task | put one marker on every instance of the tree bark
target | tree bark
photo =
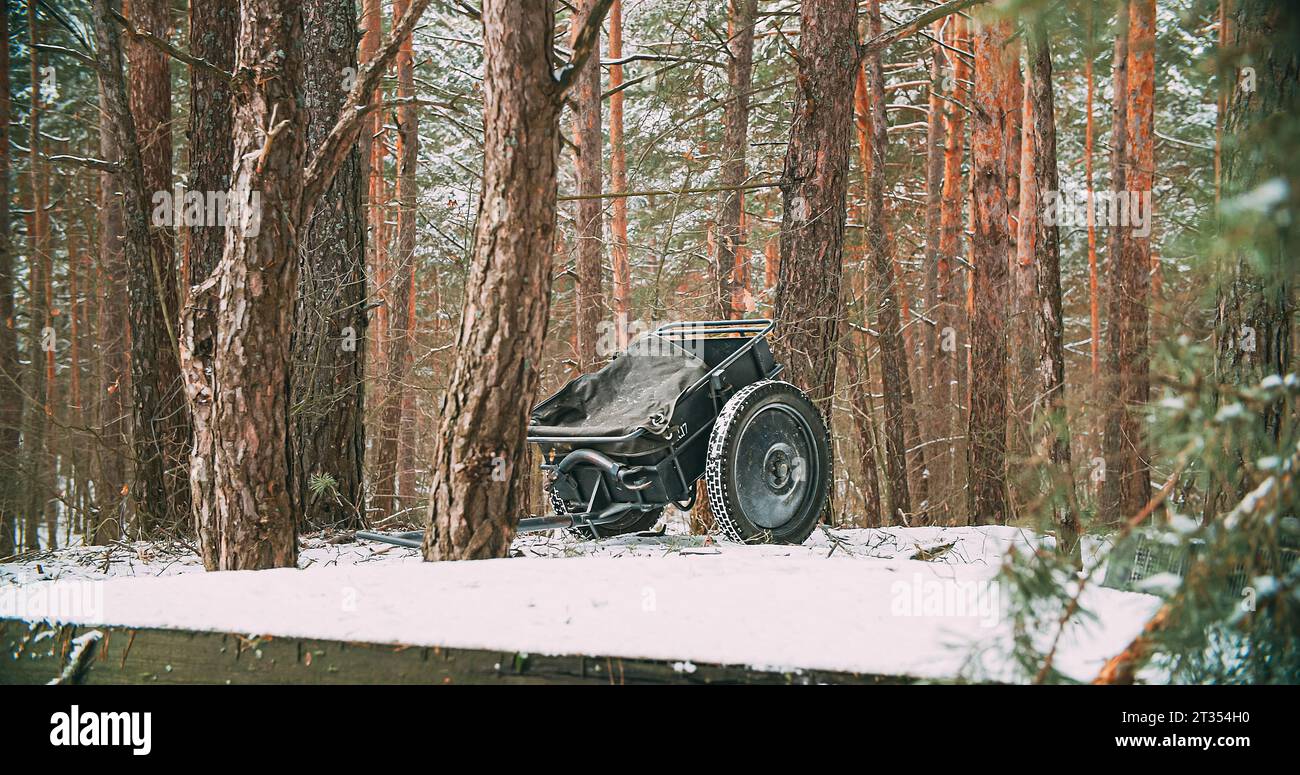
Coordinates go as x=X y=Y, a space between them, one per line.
x=373 y=148
x=1094 y=316
x=1022 y=329
x=990 y=247
x=11 y=393
x=864 y=423
x=1128 y=480
x=1109 y=504
x=329 y=345
x=1040 y=243
x=213 y=27
x=935 y=408
x=735 y=142
x=814 y=181
x=112 y=412
x=74 y=418
x=590 y=221
x=397 y=337
x=1256 y=295
x=893 y=353
x=36 y=437
x=161 y=428
x=951 y=350
x=472 y=512
x=618 y=180
x=408 y=146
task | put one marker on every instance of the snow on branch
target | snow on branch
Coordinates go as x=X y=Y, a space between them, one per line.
x=888 y=38
x=584 y=44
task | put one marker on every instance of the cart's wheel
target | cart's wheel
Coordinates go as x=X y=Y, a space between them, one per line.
x=769 y=465
x=633 y=522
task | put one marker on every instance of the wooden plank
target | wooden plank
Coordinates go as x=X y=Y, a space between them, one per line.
x=36 y=652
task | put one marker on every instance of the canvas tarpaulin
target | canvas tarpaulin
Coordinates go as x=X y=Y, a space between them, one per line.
x=639 y=389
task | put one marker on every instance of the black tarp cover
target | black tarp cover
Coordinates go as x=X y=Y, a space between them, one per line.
x=639 y=389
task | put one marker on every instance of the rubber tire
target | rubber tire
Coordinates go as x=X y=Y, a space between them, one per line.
x=636 y=522
x=723 y=441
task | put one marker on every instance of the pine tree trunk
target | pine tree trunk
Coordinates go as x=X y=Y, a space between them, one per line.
x=1137 y=259
x=935 y=473
x=213 y=26
x=1022 y=331
x=161 y=429
x=950 y=350
x=1020 y=281
x=814 y=181
x=1040 y=243
x=864 y=423
x=1256 y=296
x=1109 y=504
x=990 y=247
x=36 y=438
x=1128 y=481
x=243 y=391
x=373 y=150
x=397 y=337
x=329 y=347
x=591 y=221
x=11 y=394
x=735 y=142
x=74 y=420
x=893 y=354
x=701 y=521
x=408 y=147
x=472 y=513
x=618 y=180
x=112 y=411
x=1094 y=316
x=407 y=198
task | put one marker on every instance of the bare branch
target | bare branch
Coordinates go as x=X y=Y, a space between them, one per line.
x=167 y=48
x=468 y=10
x=665 y=192
x=658 y=58
x=72 y=52
x=85 y=161
x=885 y=39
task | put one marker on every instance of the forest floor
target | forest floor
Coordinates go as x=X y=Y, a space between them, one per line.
x=916 y=602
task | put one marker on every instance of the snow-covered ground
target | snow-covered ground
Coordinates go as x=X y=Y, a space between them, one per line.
x=896 y=601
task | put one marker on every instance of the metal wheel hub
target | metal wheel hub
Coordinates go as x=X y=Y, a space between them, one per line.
x=772 y=466
x=779 y=467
